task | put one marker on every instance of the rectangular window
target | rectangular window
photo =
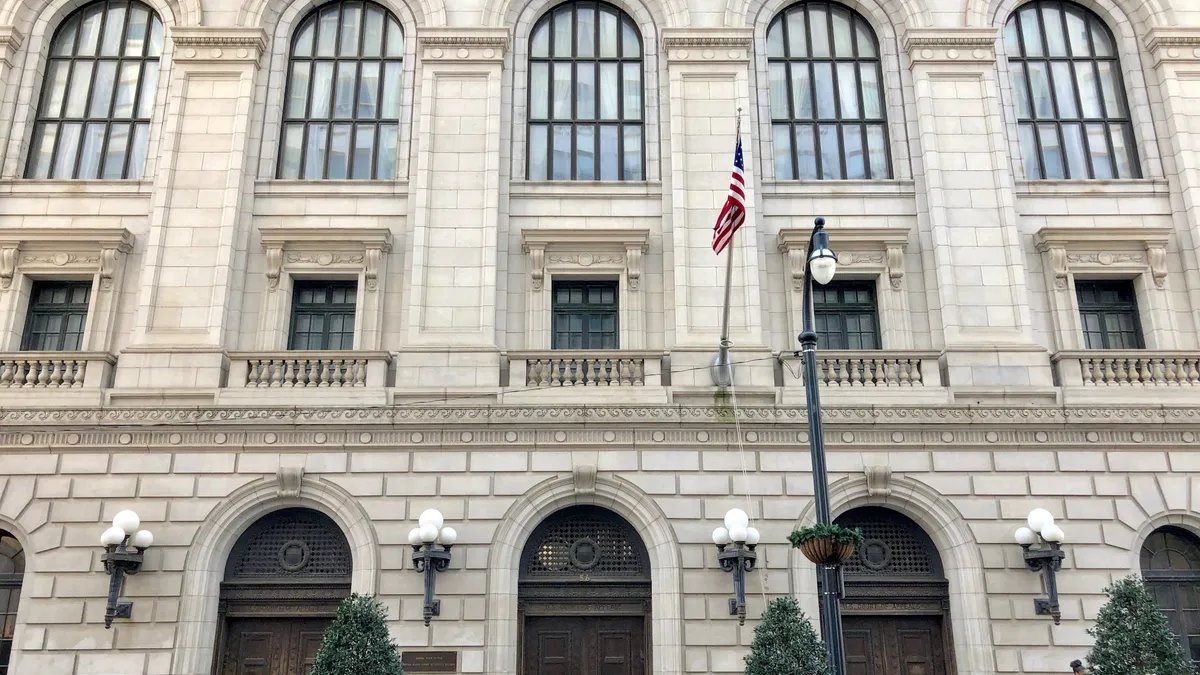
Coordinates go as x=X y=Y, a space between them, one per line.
x=57 y=314
x=1108 y=312
x=585 y=315
x=323 y=315
x=845 y=315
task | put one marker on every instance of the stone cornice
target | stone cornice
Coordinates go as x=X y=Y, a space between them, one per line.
x=1174 y=44
x=463 y=44
x=951 y=45
x=708 y=44
x=212 y=43
x=10 y=42
x=863 y=248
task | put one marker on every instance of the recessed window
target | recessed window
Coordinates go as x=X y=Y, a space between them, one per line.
x=1073 y=118
x=585 y=95
x=1109 y=314
x=826 y=92
x=585 y=315
x=93 y=118
x=323 y=315
x=1171 y=566
x=341 y=111
x=56 y=317
x=12 y=573
x=845 y=315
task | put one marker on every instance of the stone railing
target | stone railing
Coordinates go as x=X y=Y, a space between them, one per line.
x=585 y=368
x=55 y=370
x=870 y=368
x=299 y=369
x=1133 y=368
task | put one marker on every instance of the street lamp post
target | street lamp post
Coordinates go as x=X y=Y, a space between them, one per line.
x=428 y=559
x=820 y=265
x=1047 y=560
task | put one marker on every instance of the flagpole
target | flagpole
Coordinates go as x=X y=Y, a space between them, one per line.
x=722 y=371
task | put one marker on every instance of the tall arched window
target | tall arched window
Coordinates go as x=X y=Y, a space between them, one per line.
x=93 y=119
x=827 y=104
x=585 y=95
x=12 y=571
x=1066 y=80
x=341 y=111
x=1171 y=566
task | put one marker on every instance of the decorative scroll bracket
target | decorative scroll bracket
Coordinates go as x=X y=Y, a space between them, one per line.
x=537 y=267
x=290 y=480
x=371 y=267
x=585 y=478
x=8 y=265
x=274 y=266
x=633 y=266
x=1157 y=260
x=895 y=267
x=879 y=480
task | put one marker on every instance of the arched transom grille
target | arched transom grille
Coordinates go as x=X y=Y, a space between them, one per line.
x=1171 y=549
x=585 y=542
x=894 y=545
x=291 y=543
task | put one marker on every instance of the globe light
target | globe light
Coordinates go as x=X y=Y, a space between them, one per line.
x=739 y=534
x=112 y=536
x=447 y=536
x=414 y=536
x=752 y=536
x=1026 y=537
x=128 y=521
x=142 y=539
x=432 y=517
x=1039 y=519
x=736 y=518
x=823 y=264
x=721 y=537
x=429 y=533
x=1052 y=533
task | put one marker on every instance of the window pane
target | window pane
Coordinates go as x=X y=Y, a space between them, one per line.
x=1077 y=33
x=1123 y=151
x=390 y=108
x=339 y=151
x=155 y=40
x=327 y=22
x=877 y=148
x=585 y=152
x=865 y=40
x=848 y=89
x=831 y=156
x=1114 y=106
x=562 y=33
x=89 y=31
x=1012 y=40
x=818 y=30
x=137 y=151
x=775 y=40
x=806 y=152
x=1101 y=42
x=539 y=91
x=322 y=88
x=872 y=105
x=797 y=33
x=608 y=91
x=343 y=103
x=777 y=72
x=114 y=154
x=632 y=90
x=395 y=40
x=386 y=160
x=540 y=42
x=368 y=91
x=561 y=167
x=1051 y=151
x=852 y=139
x=372 y=32
x=126 y=90
x=631 y=46
x=81 y=79
x=608 y=33
x=56 y=87
x=1076 y=158
x=43 y=147
x=114 y=30
x=609 y=145
x=585 y=32
x=351 y=21
x=146 y=96
x=562 y=91
x=1039 y=82
x=1098 y=145
x=293 y=135
x=843 y=40
x=1064 y=90
x=68 y=149
x=1055 y=38
x=823 y=73
x=314 y=156
x=537 y=152
x=303 y=46
x=1020 y=91
x=633 y=153
x=1029 y=152
x=782 y=145
x=1089 y=93
x=802 y=107
x=1031 y=31
x=585 y=91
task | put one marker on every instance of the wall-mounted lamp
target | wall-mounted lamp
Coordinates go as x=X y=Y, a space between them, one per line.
x=1047 y=560
x=739 y=559
x=428 y=559
x=119 y=560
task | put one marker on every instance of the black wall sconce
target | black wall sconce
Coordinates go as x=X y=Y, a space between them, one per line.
x=119 y=560
x=430 y=560
x=739 y=559
x=1047 y=560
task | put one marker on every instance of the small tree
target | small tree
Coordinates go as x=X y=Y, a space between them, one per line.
x=1133 y=636
x=358 y=641
x=786 y=644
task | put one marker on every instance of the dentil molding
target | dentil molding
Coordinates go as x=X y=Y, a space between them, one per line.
x=951 y=45
x=217 y=43
x=1178 y=44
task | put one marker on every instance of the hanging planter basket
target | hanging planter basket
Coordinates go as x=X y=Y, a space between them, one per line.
x=826 y=544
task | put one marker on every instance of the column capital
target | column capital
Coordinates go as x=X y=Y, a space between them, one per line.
x=951 y=45
x=210 y=43
x=462 y=44
x=1179 y=44
x=698 y=45
x=10 y=42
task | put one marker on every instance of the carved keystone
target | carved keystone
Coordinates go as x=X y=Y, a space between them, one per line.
x=289 y=480
x=585 y=478
x=878 y=480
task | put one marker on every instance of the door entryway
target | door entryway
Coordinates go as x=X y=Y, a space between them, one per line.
x=283 y=582
x=901 y=645
x=584 y=596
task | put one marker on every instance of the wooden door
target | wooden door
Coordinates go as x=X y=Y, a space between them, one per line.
x=584 y=645
x=271 y=646
x=901 y=645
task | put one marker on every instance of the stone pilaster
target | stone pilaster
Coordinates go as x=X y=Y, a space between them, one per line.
x=450 y=331
x=709 y=80
x=973 y=261
x=199 y=195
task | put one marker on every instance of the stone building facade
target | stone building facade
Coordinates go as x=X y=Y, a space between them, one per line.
x=478 y=278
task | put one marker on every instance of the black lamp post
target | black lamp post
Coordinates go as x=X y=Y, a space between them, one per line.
x=429 y=560
x=123 y=546
x=820 y=265
x=739 y=559
x=1046 y=560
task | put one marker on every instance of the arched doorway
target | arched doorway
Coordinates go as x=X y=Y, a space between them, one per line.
x=584 y=596
x=283 y=582
x=1171 y=567
x=12 y=571
x=896 y=609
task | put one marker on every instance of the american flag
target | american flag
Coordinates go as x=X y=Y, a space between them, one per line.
x=733 y=214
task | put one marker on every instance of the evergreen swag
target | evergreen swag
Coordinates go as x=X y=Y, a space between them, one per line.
x=786 y=644
x=1133 y=636
x=358 y=642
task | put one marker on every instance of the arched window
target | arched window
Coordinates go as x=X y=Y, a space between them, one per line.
x=1071 y=110
x=341 y=111
x=827 y=105
x=585 y=95
x=1171 y=566
x=93 y=118
x=12 y=570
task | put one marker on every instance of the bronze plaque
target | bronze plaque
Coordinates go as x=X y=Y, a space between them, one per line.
x=429 y=662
